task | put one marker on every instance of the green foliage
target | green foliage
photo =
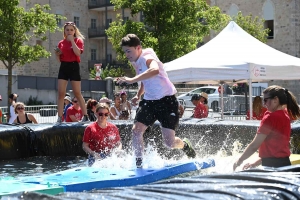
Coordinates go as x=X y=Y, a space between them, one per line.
x=254 y=26
x=19 y=29
x=33 y=101
x=92 y=73
x=111 y=71
x=170 y=27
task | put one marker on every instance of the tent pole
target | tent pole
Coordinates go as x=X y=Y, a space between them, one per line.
x=222 y=101
x=250 y=98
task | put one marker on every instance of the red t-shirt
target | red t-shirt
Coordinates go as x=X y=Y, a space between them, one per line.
x=277 y=127
x=68 y=54
x=254 y=117
x=72 y=111
x=200 y=111
x=101 y=139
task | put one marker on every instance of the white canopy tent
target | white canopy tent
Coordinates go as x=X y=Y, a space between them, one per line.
x=234 y=56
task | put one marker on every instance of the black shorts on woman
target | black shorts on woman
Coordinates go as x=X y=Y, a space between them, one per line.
x=165 y=110
x=69 y=71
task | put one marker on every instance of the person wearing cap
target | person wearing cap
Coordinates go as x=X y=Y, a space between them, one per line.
x=68 y=104
x=204 y=99
x=1 y=114
x=105 y=100
x=12 y=115
x=125 y=105
x=200 y=110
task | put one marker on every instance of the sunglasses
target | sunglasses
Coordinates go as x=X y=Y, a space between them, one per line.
x=266 y=99
x=75 y=101
x=69 y=23
x=20 y=108
x=101 y=114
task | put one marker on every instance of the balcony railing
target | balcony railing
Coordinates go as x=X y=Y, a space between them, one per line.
x=99 y=3
x=97 y=32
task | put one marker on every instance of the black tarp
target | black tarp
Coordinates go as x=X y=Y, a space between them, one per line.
x=207 y=135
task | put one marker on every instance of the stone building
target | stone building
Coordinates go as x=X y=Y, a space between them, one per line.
x=93 y=16
x=282 y=17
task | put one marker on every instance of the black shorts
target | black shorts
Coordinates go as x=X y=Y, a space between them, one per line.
x=165 y=110
x=69 y=71
x=275 y=162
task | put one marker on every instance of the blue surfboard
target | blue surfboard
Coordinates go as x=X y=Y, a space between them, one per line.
x=89 y=178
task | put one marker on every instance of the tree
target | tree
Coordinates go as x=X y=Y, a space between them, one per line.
x=172 y=28
x=253 y=26
x=17 y=28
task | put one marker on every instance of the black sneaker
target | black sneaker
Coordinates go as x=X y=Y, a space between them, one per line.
x=188 y=149
x=85 y=119
x=139 y=162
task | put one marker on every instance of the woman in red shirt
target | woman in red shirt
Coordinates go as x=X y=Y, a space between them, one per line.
x=101 y=137
x=68 y=54
x=258 y=109
x=273 y=135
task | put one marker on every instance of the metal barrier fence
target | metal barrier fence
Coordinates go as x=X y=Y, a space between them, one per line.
x=48 y=114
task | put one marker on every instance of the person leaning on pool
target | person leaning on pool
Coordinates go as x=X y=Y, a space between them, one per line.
x=101 y=137
x=273 y=135
x=258 y=109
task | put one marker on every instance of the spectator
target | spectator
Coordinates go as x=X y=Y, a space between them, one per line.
x=200 y=111
x=68 y=53
x=105 y=100
x=91 y=109
x=101 y=137
x=74 y=113
x=180 y=110
x=273 y=135
x=258 y=109
x=125 y=105
x=68 y=104
x=12 y=115
x=115 y=110
x=204 y=100
x=22 y=116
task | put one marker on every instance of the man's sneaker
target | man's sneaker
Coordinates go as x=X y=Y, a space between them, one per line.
x=188 y=149
x=139 y=162
x=85 y=119
x=59 y=120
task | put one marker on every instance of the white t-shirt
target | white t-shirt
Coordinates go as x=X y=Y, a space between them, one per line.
x=158 y=86
x=13 y=115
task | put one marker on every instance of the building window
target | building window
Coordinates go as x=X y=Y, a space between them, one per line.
x=39 y=42
x=93 y=23
x=233 y=10
x=108 y=21
x=93 y=2
x=108 y=58
x=270 y=25
x=76 y=21
x=58 y=20
x=125 y=19
x=268 y=14
x=93 y=54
